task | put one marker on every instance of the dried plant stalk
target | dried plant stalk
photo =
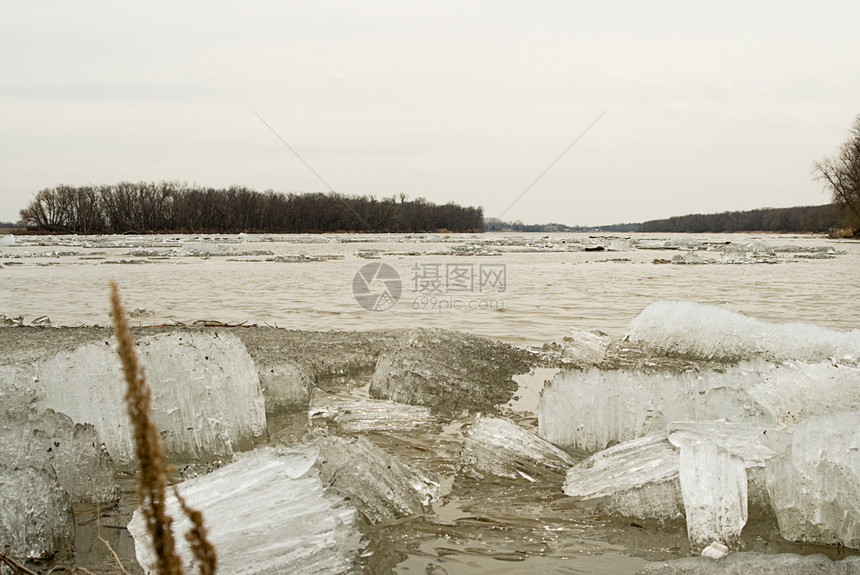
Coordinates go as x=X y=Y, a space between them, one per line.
x=152 y=479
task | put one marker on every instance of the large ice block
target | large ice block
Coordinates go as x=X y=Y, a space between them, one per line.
x=449 y=371
x=637 y=478
x=74 y=451
x=714 y=488
x=381 y=487
x=206 y=397
x=591 y=409
x=36 y=520
x=814 y=484
x=358 y=415
x=266 y=513
x=496 y=446
x=755 y=563
x=706 y=331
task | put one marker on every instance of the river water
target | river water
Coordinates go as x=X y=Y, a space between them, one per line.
x=525 y=289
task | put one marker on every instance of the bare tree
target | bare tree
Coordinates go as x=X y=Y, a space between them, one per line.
x=841 y=175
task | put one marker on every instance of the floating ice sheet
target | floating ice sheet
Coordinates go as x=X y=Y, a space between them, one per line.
x=499 y=447
x=206 y=397
x=266 y=513
x=757 y=563
x=712 y=332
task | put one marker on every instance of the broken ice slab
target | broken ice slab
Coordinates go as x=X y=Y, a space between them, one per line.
x=584 y=347
x=496 y=446
x=590 y=409
x=206 y=397
x=449 y=371
x=696 y=330
x=757 y=563
x=714 y=488
x=380 y=486
x=637 y=478
x=74 y=451
x=266 y=513
x=359 y=415
x=814 y=484
x=36 y=520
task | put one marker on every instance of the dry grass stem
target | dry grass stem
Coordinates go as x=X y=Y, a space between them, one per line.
x=152 y=479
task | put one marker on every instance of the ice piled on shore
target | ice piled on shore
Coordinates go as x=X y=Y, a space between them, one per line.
x=74 y=451
x=36 y=518
x=591 y=409
x=7 y=241
x=206 y=397
x=496 y=446
x=381 y=487
x=690 y=329
x=266 y=513
x=814 y=484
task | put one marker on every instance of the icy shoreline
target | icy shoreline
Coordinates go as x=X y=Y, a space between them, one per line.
x=220 y=391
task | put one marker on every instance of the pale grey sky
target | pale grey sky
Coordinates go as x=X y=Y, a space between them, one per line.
x=712 y=106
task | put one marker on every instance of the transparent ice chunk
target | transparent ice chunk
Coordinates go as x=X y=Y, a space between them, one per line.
x=36 y=519
x=266 y=513
x=74 y=451
x=496 y=446
x=358 y=415
x=206 y=397
x=381 y=487
x=637 y=478
x=814 y=484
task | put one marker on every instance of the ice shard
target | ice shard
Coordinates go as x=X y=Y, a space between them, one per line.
x=706 y=331
x=381 y=487
x=266 y=513
x=582 y=347
x=449 y=371
x=206 y=397
x=814 y=484
x=714 y=488
x=74 y=451
x=36 y=520
x=637 y=478
x=358 y=415
x=496 y=446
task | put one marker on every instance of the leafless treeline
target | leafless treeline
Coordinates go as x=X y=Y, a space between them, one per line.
x=179 y=207
x=800 y=219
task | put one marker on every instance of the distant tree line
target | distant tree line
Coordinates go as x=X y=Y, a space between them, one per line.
x=813 y=219
x=499 y=225
x=179 y=207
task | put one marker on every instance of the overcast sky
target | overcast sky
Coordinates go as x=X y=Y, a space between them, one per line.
x=710 y=106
